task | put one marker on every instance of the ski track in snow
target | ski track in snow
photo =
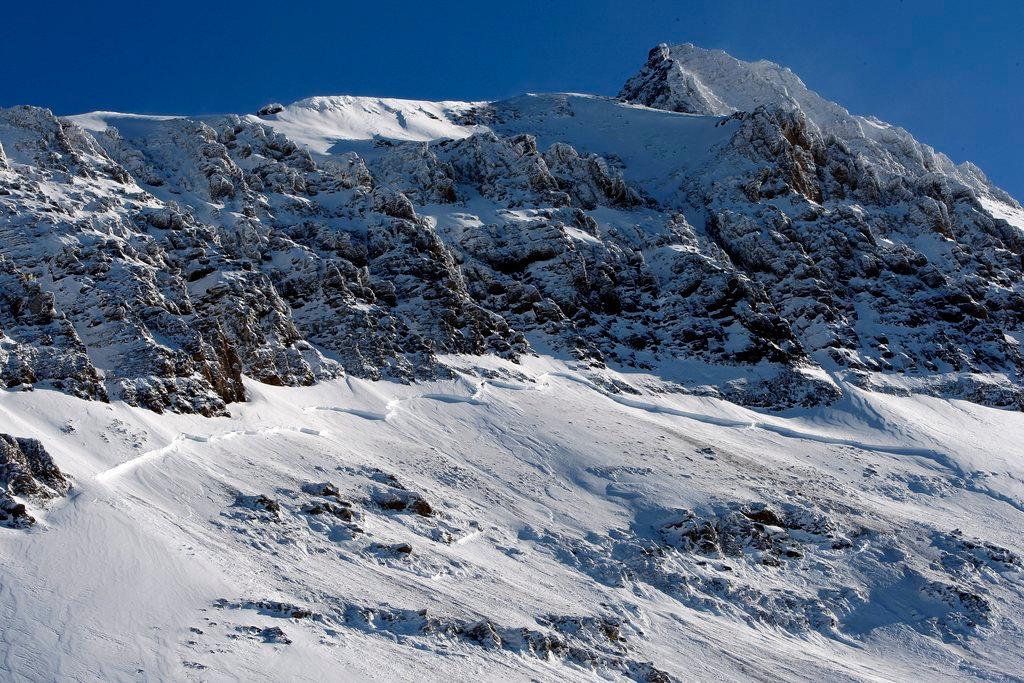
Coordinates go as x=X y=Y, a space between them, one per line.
x=541 y=381
x=155 y=454
x=123 y=468
x=467 y=486
x=394 y=404
x=786 y=432
x=365 y=414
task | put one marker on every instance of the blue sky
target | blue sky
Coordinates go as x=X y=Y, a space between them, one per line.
x=950 y=72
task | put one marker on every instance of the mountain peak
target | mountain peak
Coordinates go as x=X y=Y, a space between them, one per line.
x=694 y=80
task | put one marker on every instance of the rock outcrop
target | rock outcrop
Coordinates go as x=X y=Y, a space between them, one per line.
x=158 y=260
x=27 y=472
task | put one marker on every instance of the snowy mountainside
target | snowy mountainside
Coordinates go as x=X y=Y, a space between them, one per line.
x=686 y=78
x=464 y=528
x=618 y=234
x=710 y=380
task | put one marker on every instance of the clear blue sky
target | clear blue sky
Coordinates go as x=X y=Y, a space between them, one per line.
x=950 y=72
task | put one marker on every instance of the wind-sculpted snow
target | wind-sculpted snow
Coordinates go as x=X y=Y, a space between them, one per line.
x=529 y=521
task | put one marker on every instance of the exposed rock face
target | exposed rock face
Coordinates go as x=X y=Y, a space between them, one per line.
x=26 y=471
x=39 y=346
x=157 y=260
x=882 y=255
x=665 y=83
x=686 y=78
x=861 y=267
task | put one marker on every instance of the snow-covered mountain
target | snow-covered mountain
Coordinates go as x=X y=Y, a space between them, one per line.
x=712 y=379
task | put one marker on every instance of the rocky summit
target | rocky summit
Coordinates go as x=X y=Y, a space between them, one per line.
x=712 y=380
x=717 y=214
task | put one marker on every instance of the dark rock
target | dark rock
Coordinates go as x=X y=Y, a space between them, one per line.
x=259 y=503
x=342 y=510
x=400 y=500
x=27 y=471
x=270 y=109
x=325 y=489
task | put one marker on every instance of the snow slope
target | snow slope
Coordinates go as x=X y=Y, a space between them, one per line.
x=631 y=134
x=321 y=122
x=541 y=519
x=599 y=125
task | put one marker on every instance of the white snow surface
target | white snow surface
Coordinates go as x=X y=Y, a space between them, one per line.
x=99 y=121
x=533 y=474
x=1013 y=215
x=631 y=134
x=320 y=122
